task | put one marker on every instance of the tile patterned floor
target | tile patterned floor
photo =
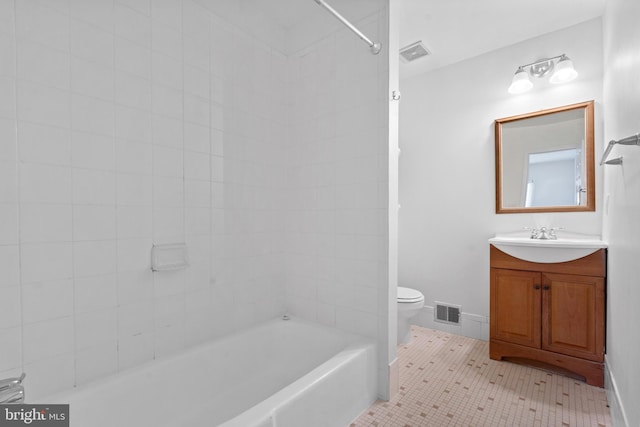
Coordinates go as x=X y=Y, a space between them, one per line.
x=449 y=380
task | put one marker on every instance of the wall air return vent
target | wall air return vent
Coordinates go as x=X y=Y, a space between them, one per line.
x=413 y=51
x=447 y=313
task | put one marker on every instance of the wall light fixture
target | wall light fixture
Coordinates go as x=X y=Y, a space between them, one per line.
x=564 y=72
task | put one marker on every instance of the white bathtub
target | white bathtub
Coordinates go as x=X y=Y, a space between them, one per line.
x=281 y=373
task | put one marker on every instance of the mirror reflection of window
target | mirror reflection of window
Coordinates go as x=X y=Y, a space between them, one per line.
x=554 y=178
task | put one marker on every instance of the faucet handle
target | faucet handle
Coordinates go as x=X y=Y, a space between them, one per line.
x=552 y=232
x=534 y=232
x=11 y=382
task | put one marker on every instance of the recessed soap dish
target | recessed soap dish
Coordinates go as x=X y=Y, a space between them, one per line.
x=169 y=257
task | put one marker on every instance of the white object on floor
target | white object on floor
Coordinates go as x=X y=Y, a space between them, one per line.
x=410 y=302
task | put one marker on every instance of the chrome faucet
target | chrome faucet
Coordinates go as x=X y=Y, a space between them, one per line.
x=12 y=390
x=544 y=233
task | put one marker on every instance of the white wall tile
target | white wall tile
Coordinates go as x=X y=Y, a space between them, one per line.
x=95 y=293
x=43 y=64
x=94 y=222
x=90 y=42
x=44 y=340
x=134 y=254
x=7 y=16
x=43 y=105
x=197 y=138
x=7 y=53
x=133 y=124
x=142 y=6
x=196 y=52
x=92 y=115
x=92 y=151
x=92 y=79
x=167 y=101
x=47 y=300
x=167 y=12
x=196 y=81
x=167 y=162
x=134 y=319
x=196 y=110
x=135 y=349
x=42 y=24
x=168 y=192
x=49 y=375
x=134 y=158
x=167 y=132
x=167 y=71
x=45 y=261
x=133 y=91
x=197 y=193
x=8 y=182
x=96 y=12
x=168 y=225
x=134 y=222
x=9 y=266
x=134 y=190
x=96 y=258
x=7 y=97
x=132 y=25
x=45 y=223
x=96 y=328
x=96 y=362
x=196 y=166
x=93 y=187
x=165 y=39
x=11 y=348
x=44 y=183
x=10 y=307
x=8 y=146
x=133 y=58
x=8 y=224
x=135 y=286
x=195 y=20
x=44 y=144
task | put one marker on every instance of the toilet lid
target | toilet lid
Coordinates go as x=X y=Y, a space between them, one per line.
x=409 y=295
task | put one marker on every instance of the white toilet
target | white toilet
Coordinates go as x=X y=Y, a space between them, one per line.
x=410 y=302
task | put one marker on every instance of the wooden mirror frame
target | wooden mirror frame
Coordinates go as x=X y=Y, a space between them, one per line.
x=589 y=161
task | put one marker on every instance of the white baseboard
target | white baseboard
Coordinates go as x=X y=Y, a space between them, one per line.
x=471 y=325
x=618 y=416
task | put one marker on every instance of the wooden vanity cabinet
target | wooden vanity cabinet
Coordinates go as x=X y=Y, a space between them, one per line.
x=549 y=315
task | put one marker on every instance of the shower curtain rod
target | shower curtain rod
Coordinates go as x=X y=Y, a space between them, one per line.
x=375 y=47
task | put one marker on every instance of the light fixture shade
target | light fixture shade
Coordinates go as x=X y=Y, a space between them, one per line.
x=520 y=82
x=564 y=71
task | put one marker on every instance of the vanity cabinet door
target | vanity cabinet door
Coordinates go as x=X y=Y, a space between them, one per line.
x=573 y=315
x=515 y=306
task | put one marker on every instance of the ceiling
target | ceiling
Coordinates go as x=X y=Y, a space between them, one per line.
x=452 y=30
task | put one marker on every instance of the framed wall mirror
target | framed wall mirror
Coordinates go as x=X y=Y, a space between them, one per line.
x=545 y=161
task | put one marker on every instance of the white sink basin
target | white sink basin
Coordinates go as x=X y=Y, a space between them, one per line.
x=547 y=251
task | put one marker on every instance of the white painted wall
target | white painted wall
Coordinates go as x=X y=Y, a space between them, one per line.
x=447 y=182
x=621 y=227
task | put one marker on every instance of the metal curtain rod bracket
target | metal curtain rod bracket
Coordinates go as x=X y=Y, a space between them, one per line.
x=630 y=140
x=375 y=47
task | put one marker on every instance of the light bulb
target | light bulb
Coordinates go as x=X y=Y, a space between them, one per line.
x=520 y=82
x=564 y=71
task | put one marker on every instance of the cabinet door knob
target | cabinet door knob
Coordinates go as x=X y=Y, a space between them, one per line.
x=536 y=286
x=546 y=287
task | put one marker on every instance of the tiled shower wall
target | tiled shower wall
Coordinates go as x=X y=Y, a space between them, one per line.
x=337 y=229
x=125 y=124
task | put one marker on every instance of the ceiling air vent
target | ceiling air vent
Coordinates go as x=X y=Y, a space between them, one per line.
x=413 y=51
